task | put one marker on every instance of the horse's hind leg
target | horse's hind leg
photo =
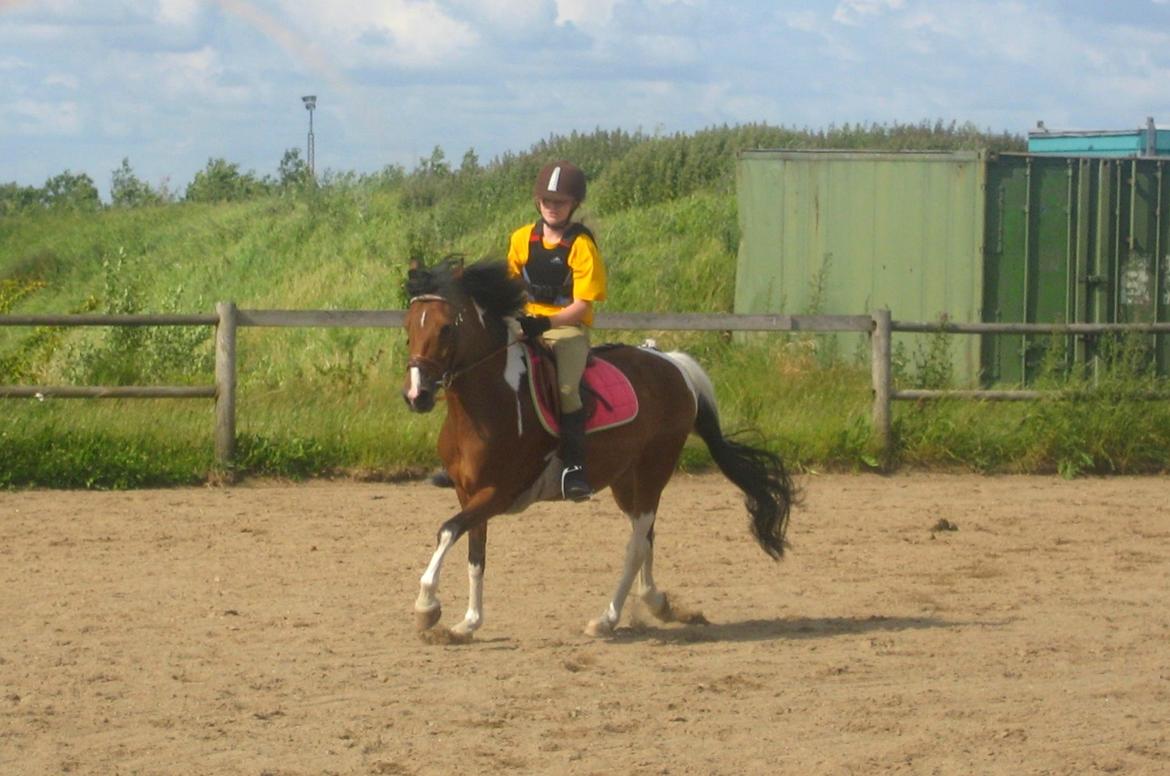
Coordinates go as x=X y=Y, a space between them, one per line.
x=653 y=598
x=637 y=494
x=636 y=551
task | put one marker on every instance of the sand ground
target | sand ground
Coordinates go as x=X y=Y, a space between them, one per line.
x=267 y=629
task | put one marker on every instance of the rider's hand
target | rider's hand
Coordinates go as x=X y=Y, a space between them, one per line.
x=533 y=325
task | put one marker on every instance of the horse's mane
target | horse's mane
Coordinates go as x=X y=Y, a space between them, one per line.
x=486 y=282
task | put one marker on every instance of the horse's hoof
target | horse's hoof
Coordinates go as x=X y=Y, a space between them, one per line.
x=661 y=609
x=444 y=637
x=599 y=629
x=425 y=620
x=464 y=632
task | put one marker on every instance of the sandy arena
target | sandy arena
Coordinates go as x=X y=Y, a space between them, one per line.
x=267 y=629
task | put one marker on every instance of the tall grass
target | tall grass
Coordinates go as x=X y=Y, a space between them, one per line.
x=315 y=402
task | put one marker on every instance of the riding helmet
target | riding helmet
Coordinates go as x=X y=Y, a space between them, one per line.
x=560 y=180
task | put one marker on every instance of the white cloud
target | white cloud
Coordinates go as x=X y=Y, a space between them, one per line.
x=585 y=13
x=511 y=14
x=171 y=83
x=196 y=74
x=411 y=33
x=851 y=12
x=805 y=21
x=14 y=63
x=51 y=118
x=62 y=80
x=179 y=12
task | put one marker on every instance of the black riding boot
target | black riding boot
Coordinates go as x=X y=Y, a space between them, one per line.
x=574 y=486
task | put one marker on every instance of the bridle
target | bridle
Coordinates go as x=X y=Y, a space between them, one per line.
x=449 y=374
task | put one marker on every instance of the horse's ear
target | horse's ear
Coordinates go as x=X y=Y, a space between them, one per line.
x=457 y=267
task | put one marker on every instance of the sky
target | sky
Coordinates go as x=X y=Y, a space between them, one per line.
x=172 y=84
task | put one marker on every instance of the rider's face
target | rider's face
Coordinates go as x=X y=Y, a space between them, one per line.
x=555 y=211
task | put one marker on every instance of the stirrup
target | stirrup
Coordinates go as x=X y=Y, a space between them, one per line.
x=574 y=486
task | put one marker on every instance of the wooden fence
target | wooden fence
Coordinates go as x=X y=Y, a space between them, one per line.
x=228 y=319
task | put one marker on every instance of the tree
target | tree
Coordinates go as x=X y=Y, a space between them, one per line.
x=436 y=165
x=127 y=190
x=294 y=171
x=70 y=192
x=470 y=165
x=15 y=198
x=222 y=181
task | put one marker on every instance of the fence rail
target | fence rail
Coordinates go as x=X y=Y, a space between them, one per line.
x=107 y=392
x=100 y=319
x=228 y=319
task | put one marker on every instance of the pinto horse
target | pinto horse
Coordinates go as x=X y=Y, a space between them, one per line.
x=462 y=338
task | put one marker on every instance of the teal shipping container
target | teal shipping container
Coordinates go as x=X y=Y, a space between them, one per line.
x=966 y=236
x=1147 y=141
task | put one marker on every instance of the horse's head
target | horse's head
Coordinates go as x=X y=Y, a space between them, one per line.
x=453 y=322
x=432 y=320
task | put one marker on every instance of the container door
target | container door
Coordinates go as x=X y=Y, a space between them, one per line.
x=1140 y=272
x=1005 y=235
x=1079 y=240
x=1030 y=262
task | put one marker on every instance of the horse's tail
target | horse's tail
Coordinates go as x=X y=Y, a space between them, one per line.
x=768 y=490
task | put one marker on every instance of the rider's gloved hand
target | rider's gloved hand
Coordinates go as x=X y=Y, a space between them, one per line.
x=533 y=325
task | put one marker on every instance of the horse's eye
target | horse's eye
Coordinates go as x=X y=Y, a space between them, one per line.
x=446 y=332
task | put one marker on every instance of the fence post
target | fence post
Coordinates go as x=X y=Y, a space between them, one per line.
x=225 y=385
x=880 y=364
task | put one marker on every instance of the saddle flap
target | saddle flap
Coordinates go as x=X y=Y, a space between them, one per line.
x=606 y=392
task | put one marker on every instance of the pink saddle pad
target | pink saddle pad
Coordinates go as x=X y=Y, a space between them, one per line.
x=614 y=402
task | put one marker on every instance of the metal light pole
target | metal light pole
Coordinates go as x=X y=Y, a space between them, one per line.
x=310 y=104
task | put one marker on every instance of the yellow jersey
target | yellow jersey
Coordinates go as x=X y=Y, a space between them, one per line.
x=584 y=260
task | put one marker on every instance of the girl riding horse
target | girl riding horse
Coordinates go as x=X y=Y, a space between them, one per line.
x=501 y=459
x=564 y=275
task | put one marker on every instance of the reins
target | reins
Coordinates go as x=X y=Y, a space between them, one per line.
x=450 y=377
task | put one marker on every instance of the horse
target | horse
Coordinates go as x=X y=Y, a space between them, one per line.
x=462 y=339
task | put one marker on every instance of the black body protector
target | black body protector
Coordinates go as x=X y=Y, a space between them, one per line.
x=547 y=272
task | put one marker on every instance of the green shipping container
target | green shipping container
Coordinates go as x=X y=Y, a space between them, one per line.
x=846 y=233
x=1073 y=239
x=964 y=235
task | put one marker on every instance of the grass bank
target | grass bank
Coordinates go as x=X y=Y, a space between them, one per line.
x=323 y=402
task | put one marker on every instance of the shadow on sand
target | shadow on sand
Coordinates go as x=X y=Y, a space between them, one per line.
x=794 y=628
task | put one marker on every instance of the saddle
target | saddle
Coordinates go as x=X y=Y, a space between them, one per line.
x=606 y=392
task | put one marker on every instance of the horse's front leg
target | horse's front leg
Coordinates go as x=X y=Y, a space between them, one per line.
x=473 y=519
x=476 y=561
x=427 y=608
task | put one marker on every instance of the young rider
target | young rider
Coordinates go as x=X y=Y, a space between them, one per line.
x=562 y=268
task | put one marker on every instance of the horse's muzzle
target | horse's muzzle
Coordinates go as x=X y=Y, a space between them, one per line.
x=419 y=393
x=423 y=401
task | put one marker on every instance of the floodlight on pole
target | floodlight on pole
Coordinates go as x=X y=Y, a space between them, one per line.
x=310 y=101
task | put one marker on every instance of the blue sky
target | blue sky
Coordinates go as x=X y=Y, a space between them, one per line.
x=171 y=84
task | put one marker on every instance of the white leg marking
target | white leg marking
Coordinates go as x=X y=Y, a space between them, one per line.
x=636 y=550
x=428 y=598
x=474 y=617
